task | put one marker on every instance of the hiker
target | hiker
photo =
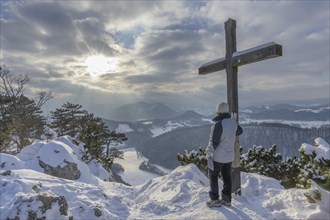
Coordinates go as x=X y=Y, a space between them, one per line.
x=220 y=153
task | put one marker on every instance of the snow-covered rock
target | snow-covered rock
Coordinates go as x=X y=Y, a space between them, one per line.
x=48 y=134
x=60 y=158
x=27 y=193
x=29 y=152
x=98 y=171
x=41 y=206
x=10 y=162
x=322 y=149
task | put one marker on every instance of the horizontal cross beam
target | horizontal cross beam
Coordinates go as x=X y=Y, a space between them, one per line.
x=213 y=66
x=262 y=52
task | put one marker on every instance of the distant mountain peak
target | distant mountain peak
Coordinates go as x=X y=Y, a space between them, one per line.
x=189 y=115
x=142 y=111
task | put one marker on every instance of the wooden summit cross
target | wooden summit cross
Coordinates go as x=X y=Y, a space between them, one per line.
x=230 y=63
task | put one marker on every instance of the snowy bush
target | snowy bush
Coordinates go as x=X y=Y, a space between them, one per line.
x=195 y=157
x=263 y=161
x=269 y=163
x=315 y=164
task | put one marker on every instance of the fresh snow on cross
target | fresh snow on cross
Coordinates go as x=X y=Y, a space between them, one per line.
x=27 y=192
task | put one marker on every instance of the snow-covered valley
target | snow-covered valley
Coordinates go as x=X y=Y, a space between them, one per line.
x=132 y=174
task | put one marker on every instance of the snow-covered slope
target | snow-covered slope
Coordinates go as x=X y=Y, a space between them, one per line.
x=28 y=193
x=180 y=194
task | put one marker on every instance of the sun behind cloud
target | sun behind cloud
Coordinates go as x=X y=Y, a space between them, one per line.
x=99 y=64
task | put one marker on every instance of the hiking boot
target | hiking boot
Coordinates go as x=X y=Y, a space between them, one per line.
x=213 y=203
x=226 y=203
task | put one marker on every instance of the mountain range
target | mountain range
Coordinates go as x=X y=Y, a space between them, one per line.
x=316 y=112
x=142 y=111
x=160 y=138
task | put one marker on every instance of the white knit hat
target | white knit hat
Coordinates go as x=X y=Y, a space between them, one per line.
x=222 y=108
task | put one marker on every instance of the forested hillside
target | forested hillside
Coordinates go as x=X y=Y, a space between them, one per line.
x=163 y=149
x=287 y=138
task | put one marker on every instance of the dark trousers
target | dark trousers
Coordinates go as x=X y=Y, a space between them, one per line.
x=225 y=170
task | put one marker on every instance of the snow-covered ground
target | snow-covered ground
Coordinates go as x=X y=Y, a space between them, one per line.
x=123 y=128
x=156 y=131
x=301 y=124
x=181 y=194
x=313 y=110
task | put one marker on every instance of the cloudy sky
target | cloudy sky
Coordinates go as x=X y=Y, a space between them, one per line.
x=103 y=54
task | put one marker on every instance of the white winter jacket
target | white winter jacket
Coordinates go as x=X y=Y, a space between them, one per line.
x=222 y=138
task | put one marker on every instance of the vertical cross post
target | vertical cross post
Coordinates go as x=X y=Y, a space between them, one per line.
x=230 y=63
x=232 y=96
x=231 y=71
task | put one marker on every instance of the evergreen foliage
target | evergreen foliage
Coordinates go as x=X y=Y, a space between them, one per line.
x=89 y=130
x=21 y=121
x=263 y=161
x=313 y=167
x=287 y=139
x=67 y=119
x=20 y=117
x=292 y=172
x=94 y=134
x=195 y=157
x=113 y=138
x=269 y=163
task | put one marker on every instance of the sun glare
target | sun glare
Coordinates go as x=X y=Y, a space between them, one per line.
x=99 y=64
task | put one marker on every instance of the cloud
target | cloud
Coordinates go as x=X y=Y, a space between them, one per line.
x=159 y=46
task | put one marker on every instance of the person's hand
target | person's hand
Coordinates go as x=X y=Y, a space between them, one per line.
x=209 y=151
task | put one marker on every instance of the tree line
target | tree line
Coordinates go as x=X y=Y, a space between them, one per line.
x=22 y=122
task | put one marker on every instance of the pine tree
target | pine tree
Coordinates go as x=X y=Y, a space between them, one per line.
x=20 y=117
x=107 y=160
x=3 y=127
x=95 y=135
x=91 y=134
x=22 y=121
x=67 y=119
x=111 y=137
